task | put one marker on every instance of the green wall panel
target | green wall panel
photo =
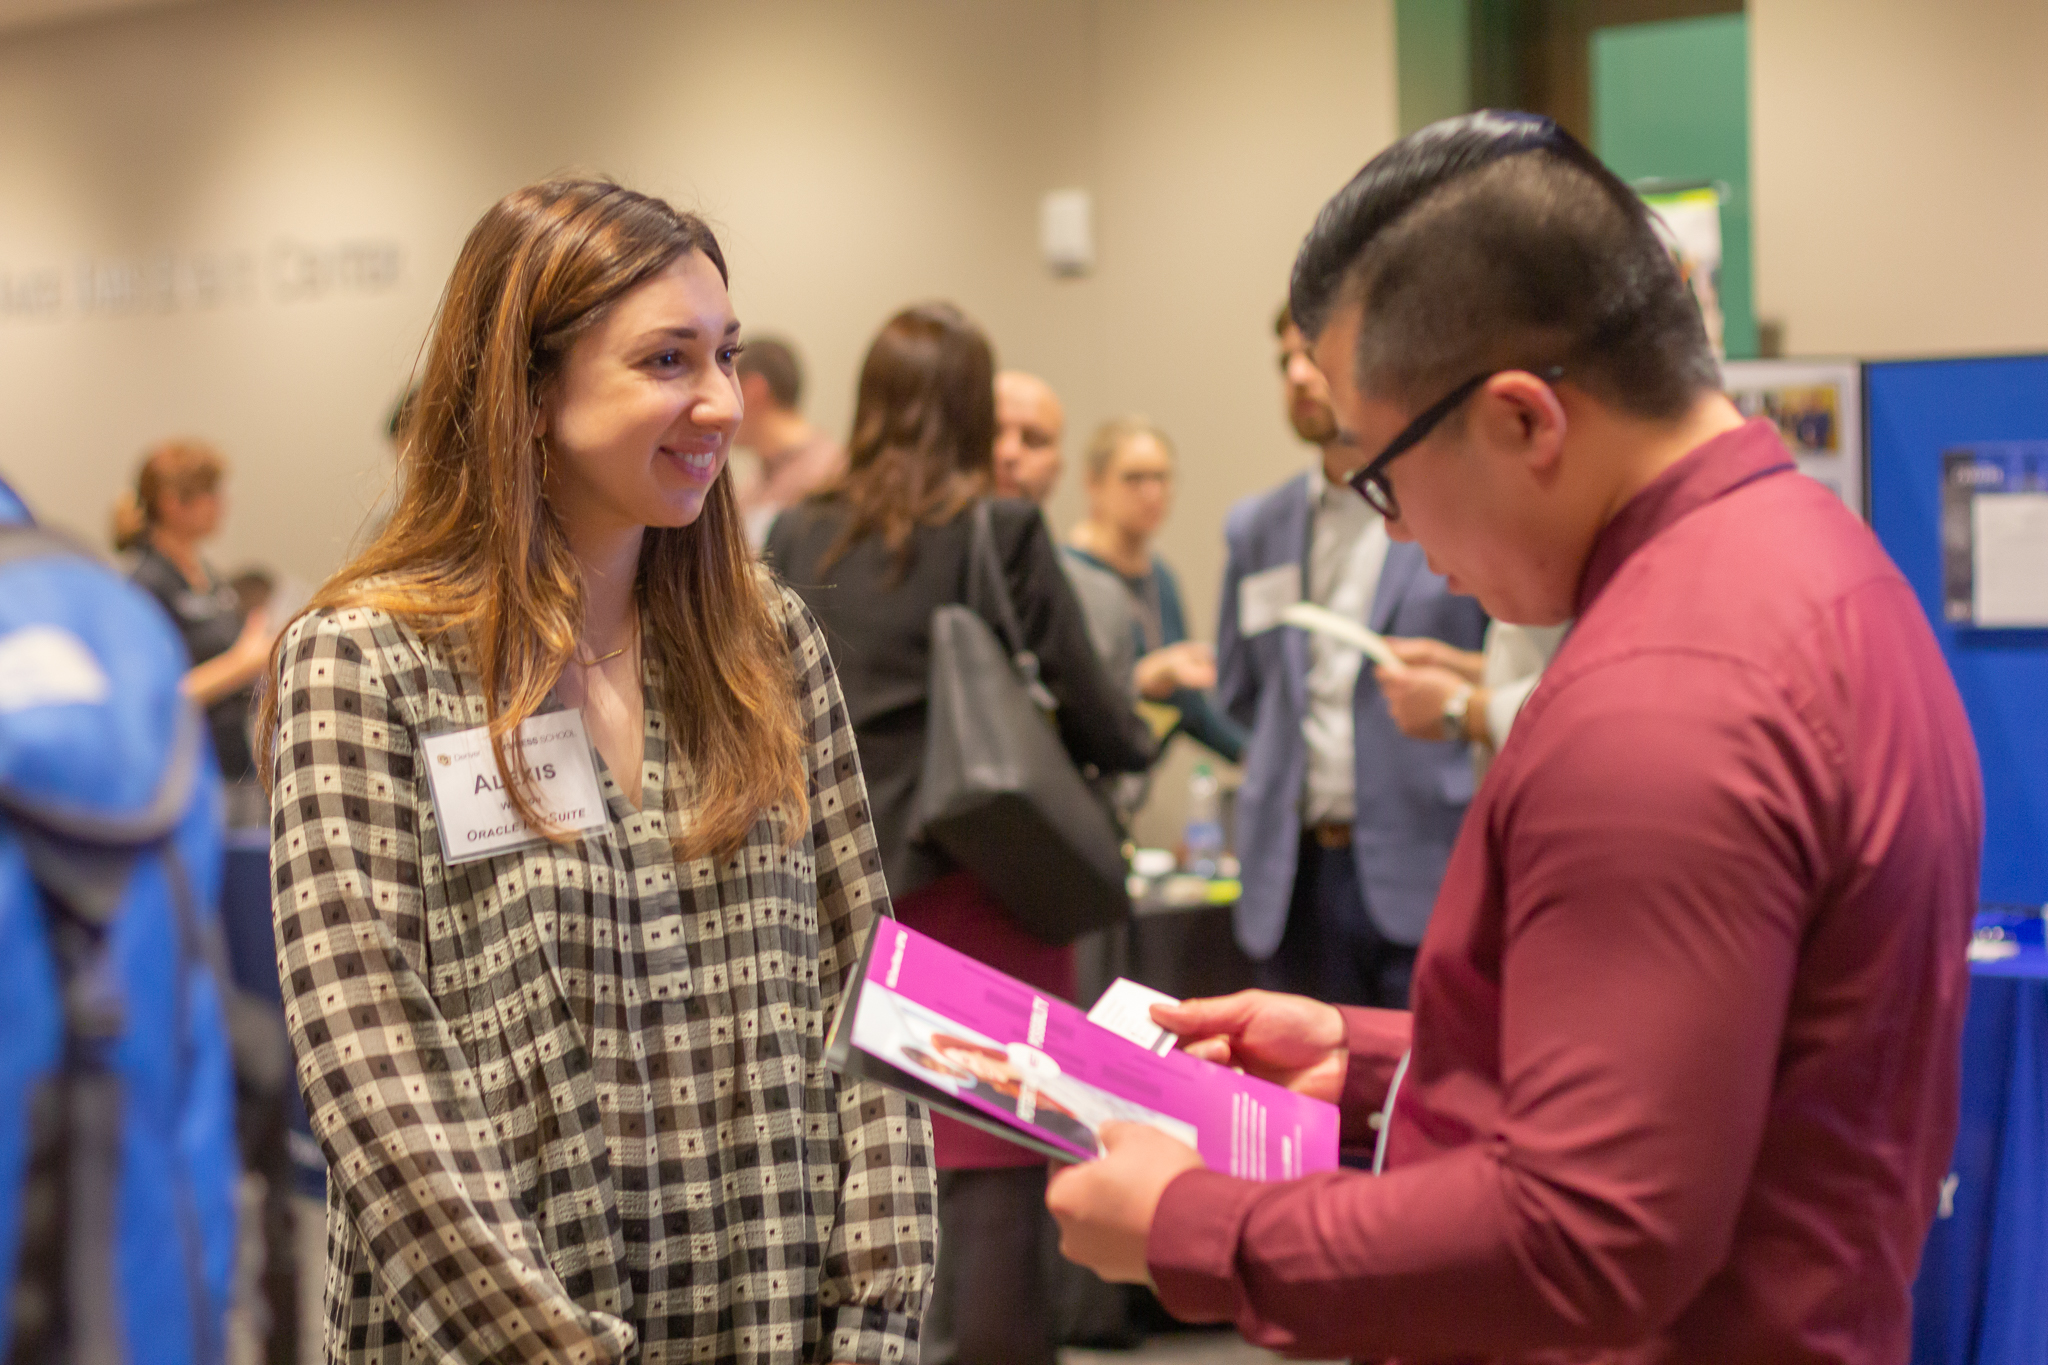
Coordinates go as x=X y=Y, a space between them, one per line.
x=1671 y=101
x=1433 y=60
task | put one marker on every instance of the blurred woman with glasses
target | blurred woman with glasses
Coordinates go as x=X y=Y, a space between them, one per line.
x=1130 y=468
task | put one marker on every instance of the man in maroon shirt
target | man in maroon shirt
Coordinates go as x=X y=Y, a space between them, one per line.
x=1685 y=1029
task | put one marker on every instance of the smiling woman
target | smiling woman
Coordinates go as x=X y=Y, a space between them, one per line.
x=561 y=1027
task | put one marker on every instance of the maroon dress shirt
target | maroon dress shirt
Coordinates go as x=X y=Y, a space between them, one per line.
x=1687 y=1016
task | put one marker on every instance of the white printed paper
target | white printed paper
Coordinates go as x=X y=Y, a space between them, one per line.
x=1125 y=1009
x=1309 y=616
x=470 y=802
x=1263 y=597
x=2010 y=576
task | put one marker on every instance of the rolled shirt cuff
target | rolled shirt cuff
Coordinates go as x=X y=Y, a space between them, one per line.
x=1192 y=1248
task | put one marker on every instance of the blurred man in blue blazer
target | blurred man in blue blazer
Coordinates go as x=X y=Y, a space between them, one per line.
x=1344 y=823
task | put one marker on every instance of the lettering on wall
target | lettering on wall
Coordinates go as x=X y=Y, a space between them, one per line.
x=290 y=271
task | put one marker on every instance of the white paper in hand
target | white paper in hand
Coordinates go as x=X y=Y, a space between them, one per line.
x=1309 y=616
x=1125 y=1009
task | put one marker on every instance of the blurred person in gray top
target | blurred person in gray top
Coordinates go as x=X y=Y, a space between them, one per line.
x=1030 y=427
x=795 y=459
x=1031 y=423
x=1130 y=490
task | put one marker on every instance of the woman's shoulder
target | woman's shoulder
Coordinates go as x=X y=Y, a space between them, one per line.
x=390 y=648
x=361 y=625
x=810 y=655
x=799 y=627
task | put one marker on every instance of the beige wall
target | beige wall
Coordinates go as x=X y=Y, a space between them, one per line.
x=21 y=14
x=1224 y=126
x=854 y=158
x=1900 y=167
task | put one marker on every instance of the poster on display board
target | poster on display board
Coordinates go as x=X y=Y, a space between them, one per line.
x=1691 y=217
x=1818 y=407
x=1994 y=535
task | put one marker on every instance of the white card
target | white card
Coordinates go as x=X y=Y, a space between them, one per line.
x=470 y=803
x=1262 y=597
x=1125 y=1009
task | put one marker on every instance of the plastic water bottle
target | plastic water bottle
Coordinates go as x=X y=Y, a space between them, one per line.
x=1203 y=840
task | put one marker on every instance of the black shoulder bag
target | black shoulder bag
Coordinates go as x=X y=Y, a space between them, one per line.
x=1000 y=796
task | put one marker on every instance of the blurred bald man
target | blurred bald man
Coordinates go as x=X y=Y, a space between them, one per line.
x=1029 y=425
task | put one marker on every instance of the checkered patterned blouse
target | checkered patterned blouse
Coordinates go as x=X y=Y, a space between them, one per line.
x=574 y=1098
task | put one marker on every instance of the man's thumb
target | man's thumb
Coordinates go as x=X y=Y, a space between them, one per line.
x=1114 y=1133
x=1200 y=1018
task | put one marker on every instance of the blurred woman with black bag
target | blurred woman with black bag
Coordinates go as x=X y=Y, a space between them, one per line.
x=872 y=559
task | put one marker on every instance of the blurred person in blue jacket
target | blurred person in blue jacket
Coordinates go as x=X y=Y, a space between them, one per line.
x=1344 y=823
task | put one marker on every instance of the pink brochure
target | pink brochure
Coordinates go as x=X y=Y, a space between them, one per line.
x=987 y=1048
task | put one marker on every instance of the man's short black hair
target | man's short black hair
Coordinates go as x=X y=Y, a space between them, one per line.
x=774 y=361
x=1496 y=239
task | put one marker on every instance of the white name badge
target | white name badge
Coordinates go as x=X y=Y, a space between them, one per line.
x=470 y=801
x=1262 y=597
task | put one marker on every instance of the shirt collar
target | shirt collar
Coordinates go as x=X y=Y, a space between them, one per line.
x=1333 y=497
x=1708 y=472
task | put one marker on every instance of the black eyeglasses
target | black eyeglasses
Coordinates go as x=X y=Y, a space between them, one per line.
x=1371 y=482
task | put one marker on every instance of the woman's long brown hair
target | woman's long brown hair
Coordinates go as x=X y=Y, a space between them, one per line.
x=924 y=428
x=472 y=545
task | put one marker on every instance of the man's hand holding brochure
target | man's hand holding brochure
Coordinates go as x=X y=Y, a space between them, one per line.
x=1290 y=1040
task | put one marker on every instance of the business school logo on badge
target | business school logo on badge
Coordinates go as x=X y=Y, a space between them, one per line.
x=441 y=759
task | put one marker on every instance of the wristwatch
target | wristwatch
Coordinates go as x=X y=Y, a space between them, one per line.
x=1454 y=712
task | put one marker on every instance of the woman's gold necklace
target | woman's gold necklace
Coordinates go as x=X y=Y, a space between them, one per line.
x=631 y=641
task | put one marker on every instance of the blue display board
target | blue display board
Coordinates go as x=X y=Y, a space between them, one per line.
x=1916 y=412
